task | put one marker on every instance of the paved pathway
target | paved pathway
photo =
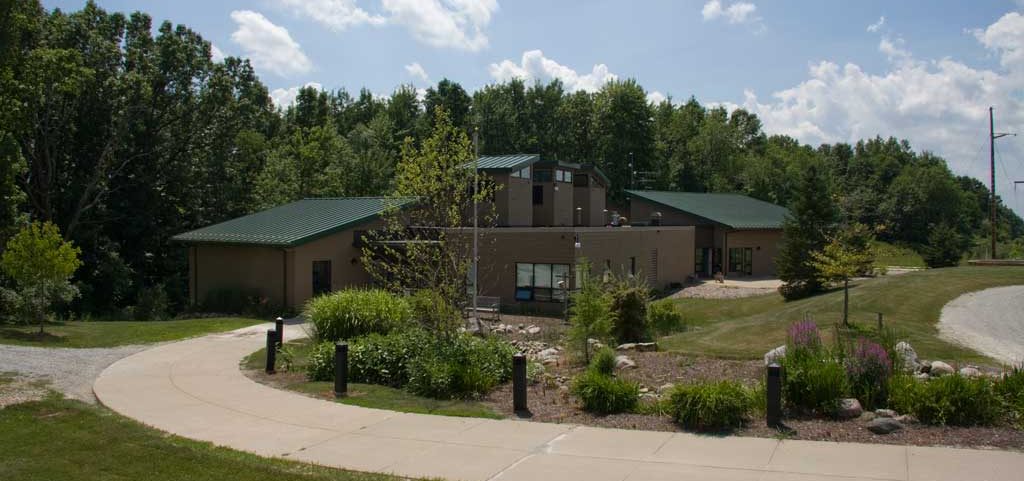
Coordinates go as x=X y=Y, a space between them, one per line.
x=990 y=321
x=195 y=389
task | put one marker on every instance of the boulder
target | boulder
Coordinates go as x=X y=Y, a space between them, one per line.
x=629 y=346
x=595 y=343
x=477 y=327
x=940 y=368
x=775 y=355
x=905 y=419
x=665 y=388
x=647 y=346
x=970 y=372
x=924 y=367
x=624 y=362
x=884 y=425
x=549 y=353
x=922 y=376
x=867 y=416
x=532 y=330
x=908 y=355
x=885 y=413
x=849 y=408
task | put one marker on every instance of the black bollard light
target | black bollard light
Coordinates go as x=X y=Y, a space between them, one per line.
x=519 y=383
x=271 y=350
x=880 y=323
x=340 y=369
x=279 y=325
x=774 y=392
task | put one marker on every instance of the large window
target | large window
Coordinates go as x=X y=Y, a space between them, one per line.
x=700 y=263
x=538 y=195
x=541 y=282
x=523 y=173
x=563 y=175
x=741 y=260
x=321 y=277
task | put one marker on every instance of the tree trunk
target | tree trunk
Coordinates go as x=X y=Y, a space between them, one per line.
x=846 y=302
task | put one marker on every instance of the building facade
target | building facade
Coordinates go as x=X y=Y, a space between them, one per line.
x=551 y=216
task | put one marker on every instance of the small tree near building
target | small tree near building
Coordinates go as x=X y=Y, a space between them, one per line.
x=812 y=219
x=591 y=315
x=41 y=263
x=847 y=255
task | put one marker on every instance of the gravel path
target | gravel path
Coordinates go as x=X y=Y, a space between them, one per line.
x=70 y=371
x=989 y=321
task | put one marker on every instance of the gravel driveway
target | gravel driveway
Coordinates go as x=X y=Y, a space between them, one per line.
x=70 y=371
x=989 y=321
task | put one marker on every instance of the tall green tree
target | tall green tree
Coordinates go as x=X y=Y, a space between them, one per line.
x=41 y=263
x=807 y=228
x=623 y=134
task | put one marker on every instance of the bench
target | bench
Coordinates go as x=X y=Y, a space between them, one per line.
x=488 y=307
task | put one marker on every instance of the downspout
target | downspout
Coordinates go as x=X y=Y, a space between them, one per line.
x=725 y=253
x=284 y=278
x=195 y=275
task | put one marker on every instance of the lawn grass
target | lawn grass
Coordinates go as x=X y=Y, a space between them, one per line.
x=911 y=303
x=365 y=395
x=117 y=333
x=897 y=256
x=60 y=439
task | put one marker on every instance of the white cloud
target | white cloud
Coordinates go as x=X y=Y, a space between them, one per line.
x=216 y=54
x=416 y=70
x=738 y=12
x=535 y=66
x=450 y=23
x=283 y=98
x=338 y=15
x=939 y=105
x=269 y=46
x=874 y=27
x=655 y=97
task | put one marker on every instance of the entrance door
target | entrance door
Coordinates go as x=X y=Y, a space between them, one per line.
x=321 y=277
x=741 y=260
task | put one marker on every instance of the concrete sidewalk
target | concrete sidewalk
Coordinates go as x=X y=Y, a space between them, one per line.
x=195 y=389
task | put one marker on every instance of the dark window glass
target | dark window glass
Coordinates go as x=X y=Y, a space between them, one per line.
x=538 y=194
x=580 y=180
x=542 y=176
x=321 y=277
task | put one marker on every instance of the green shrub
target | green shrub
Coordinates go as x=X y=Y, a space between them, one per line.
x=629 y=307
x=664 y=317
x=320 y=364
x=1011 y=389
x=603 y=394
x=604 y=361
x=461 y=366
x=355 y=312
x=711 y=406
x=384 y=359
x=433 y=311
x=814 y=384
x=948 y=400
x=151 y=304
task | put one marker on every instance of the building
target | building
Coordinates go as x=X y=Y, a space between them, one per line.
x=550 y=216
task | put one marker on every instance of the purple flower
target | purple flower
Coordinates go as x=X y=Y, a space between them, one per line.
x=804 y=335
x=868 y=358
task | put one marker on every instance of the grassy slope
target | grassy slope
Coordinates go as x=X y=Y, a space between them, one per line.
x=747 y=328
x=69 y=440
x=893 y=255
x=370 y=395
x=117 y=333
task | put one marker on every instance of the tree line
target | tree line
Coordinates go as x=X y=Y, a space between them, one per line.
x=122 y=135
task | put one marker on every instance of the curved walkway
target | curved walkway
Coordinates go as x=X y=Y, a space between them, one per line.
x=195 y=389
x=990 y=321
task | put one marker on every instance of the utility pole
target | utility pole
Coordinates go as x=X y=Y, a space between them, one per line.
x=992 y=136
x=476 y=225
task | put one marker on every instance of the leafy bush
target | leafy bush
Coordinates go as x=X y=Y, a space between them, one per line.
x=629 y=306
x=461 y=366
x=433 y=311
x=945 y=246
x=151 y=305
x=814 y=384
x=384 y=359
x=1011 y=389
x=664 y=317
x=590 y=315
x=355 y=312
x=711 y=406
x=604 y=361
x=954 y=400
x=320 y=364
x=603 y=394
x=868 y=368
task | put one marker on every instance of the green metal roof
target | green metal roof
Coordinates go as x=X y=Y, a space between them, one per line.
x=505 y=162
x=732 y=210
x=295 y=223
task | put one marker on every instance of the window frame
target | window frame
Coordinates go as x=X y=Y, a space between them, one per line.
x=541 y=293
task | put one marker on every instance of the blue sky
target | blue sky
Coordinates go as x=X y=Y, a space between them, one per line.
x=813 y=70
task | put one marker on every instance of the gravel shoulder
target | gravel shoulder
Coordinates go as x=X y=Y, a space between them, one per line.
x=989 y=321
x=68 y=370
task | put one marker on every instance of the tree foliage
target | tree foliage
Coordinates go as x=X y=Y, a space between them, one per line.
x=848 y=254
x=807 y=229
x=590 y=314
x=41 y=263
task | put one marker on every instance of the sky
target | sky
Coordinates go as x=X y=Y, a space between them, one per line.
x=820 y=71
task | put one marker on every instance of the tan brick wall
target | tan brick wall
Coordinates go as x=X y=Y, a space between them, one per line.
x=640 y=210
x=237 y=267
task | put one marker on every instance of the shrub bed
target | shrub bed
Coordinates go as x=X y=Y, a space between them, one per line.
x=603 y=394
x=948 y=400
x=711 y=406
x=356 y=312
x=664 y=317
